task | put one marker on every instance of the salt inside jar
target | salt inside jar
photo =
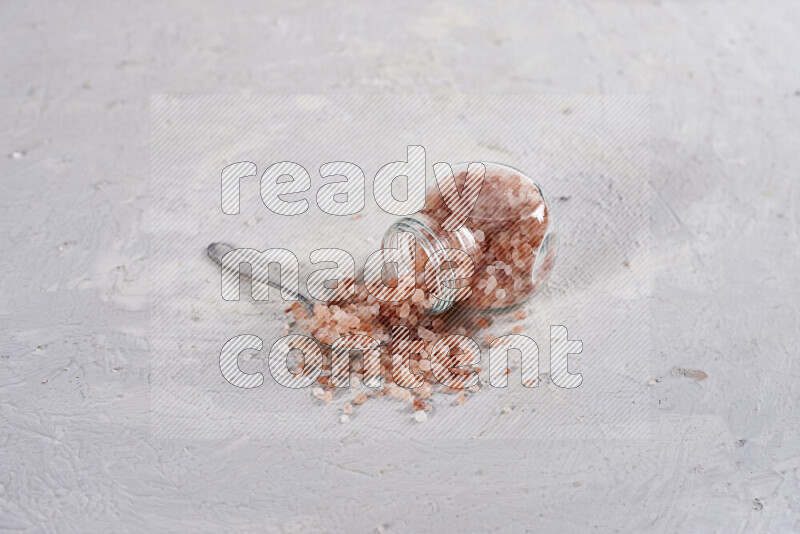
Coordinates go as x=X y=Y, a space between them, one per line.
x=509 y=236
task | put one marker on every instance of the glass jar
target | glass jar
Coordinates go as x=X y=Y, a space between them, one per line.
x=509 y=235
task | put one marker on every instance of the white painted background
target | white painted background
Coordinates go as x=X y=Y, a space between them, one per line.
x=76 y=453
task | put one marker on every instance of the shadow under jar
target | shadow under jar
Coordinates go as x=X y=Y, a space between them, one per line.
x=509 y=235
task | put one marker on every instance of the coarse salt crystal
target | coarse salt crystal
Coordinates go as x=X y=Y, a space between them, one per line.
x=425 y=334
x=425 y=390
x=420 y=416
x=491 y=284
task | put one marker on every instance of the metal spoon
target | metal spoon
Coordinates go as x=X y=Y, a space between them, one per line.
x=216 y=251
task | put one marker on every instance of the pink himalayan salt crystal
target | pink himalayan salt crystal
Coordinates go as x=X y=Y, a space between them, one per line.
x=418 y=295
x=425 y=390
x=461 y=399
x=491 y=283
x=500 y=294
x=520 y=315
x=404 y=310
x=400 y=393
x=480 y=237
x=425 y=334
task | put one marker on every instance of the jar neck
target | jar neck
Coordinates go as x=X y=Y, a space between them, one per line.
x=430 y=237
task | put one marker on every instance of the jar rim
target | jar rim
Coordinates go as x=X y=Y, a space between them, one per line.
x=425 y=237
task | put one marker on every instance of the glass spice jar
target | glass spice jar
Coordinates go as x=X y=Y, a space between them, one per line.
x=509 y=235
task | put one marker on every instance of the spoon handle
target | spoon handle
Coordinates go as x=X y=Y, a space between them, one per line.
x=216 y=251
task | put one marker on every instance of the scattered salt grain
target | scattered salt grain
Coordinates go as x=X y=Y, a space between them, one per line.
x=420 y=416
x=344 y=418
x=507 y=409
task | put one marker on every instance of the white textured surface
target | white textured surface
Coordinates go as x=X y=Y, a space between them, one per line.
x=596 y=155
x=725 y=92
